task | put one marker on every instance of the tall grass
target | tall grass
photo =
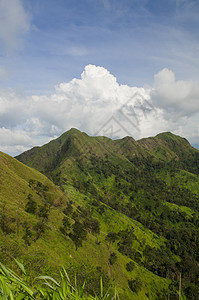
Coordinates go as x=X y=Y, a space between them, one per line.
x=15 y=287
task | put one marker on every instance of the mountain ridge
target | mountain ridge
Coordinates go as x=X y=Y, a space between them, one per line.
x=75 y=143
x=134 y=205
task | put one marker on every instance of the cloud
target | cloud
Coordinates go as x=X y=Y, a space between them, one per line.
x=97 y=104
x=14 y=141
x=11 y=137
x=179 y=97
x=13 y=109
x=14 y=23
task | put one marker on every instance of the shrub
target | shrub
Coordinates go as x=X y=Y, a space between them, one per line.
x=130 y=266
x=31 y=205
x=113 y=258
x=135 y=284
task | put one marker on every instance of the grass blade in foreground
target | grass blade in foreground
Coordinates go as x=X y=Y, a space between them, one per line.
x=14 y=287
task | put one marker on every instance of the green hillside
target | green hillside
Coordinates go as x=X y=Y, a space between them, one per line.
x=29 y=208
x=129 y=212
x=56 y=212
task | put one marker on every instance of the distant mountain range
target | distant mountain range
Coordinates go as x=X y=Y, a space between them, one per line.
x=122 y=209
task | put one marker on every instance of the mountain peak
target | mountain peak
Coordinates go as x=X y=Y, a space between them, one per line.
x=169 y=135
x=74 y=130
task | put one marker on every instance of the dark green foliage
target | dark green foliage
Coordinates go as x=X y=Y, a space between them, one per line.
x=111 y=237
x=135 y=284
x=27 y=234
x=68 y=209
x=5 y=221
x=125 y=245
x=75 y=215
x=113 y=258
x=66 y=222
x=192 y=291
x=38 y=186
x=78 y=234
x=39 y=228
x=159 y=261
x=43 y=212
x=66 y=226
x=31 y=205
x=92 y=276
x=130 y=266
x=92 y=225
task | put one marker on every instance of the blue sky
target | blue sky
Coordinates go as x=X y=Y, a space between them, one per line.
x=132 y=39
x=46 y=43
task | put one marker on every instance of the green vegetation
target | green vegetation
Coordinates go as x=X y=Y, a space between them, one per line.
x=15 y=287
x=124 y=211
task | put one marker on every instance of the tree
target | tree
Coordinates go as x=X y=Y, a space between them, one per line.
x=126 y=244
x=92 y=225
x=43 y=212
x=66 y=225
x=5 y=222
x=68 y=209
x=65 y=222
x=78 y=234
x=31 y=205
x=111 y=237
x=27 y=235
x=41 y=225
x=135 y=284
x=113 y=258
x=130 y=266
x=40 y=228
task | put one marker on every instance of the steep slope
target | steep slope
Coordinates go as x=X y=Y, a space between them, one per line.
x=46 y=229
x=29 y=208
x=72 y=143
x=15 y=180
x=153 y=184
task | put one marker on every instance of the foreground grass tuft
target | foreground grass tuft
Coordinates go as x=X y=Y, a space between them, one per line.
x=15 y=287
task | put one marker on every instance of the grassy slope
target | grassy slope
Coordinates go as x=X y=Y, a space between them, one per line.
x=78 y=162
x=14 y=184
x=52 y=249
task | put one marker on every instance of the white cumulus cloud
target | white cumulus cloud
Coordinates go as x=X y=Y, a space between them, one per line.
x=180 y=97
x=97 y=104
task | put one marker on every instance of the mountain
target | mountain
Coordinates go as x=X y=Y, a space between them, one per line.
x=131 y=214
x=65 y=157
x=46 y=228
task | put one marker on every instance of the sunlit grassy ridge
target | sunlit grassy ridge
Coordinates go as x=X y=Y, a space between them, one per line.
x=15 y=178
